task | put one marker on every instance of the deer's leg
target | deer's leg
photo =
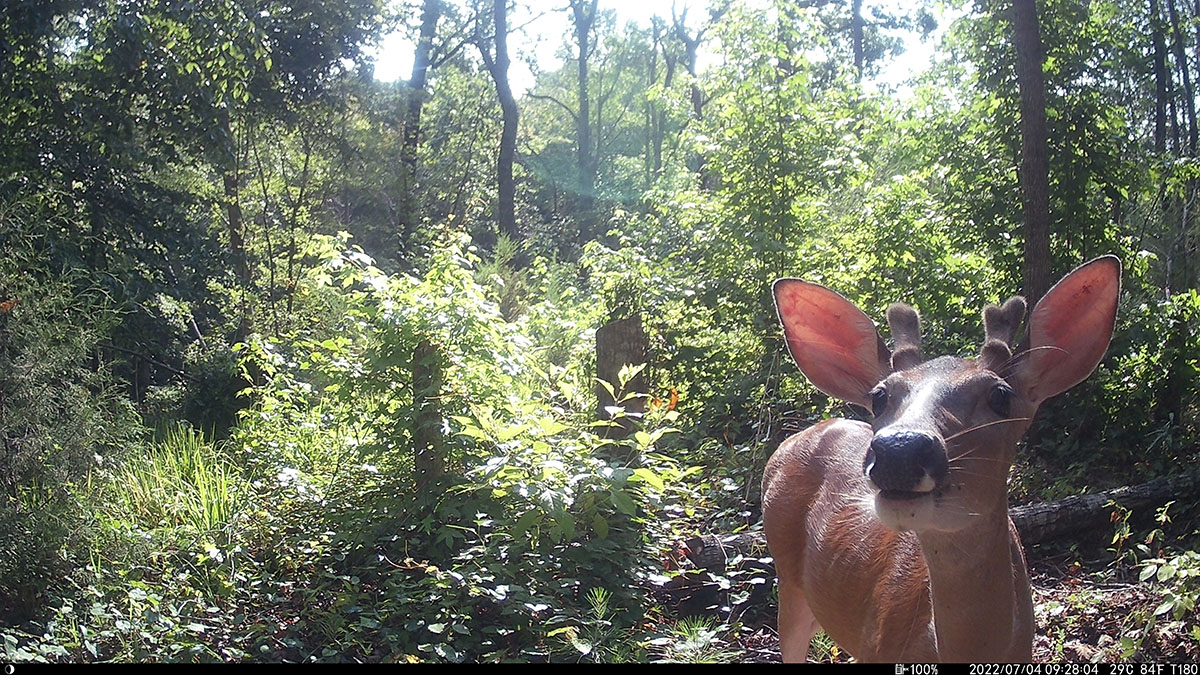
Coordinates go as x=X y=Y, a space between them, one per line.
x=797 y=625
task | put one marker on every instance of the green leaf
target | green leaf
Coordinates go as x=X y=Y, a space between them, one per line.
x=566 y=523
x=447 y=652
x=629 y=372
x=600 y=526
x=511 y=432
x=475 y=432
x=548 y=426
x=623 y=502
x=526 y=521
x=648 y=477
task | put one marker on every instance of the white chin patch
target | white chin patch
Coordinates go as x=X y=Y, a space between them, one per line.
x=918 y=514
x=904 y=514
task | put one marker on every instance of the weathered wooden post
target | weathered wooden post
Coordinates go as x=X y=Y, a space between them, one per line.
x=618 y=344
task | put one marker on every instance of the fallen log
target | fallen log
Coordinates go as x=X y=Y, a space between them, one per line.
x=1037 y=523
x=1040 y=523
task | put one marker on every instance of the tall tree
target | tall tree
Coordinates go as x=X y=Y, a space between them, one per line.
x=691 y=49
x=856 y=37
x=1035 y=163
x=1161 y=77
x=1181 y=61
x=584 y=18
x=495 y=57
x=412 y=118
x=656 y=115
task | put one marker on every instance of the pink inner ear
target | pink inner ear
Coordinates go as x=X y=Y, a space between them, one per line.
x=835 y=345
x=1070 y=328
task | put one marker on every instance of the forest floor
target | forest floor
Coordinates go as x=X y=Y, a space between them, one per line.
x=1103 y=615
x=1084 y=612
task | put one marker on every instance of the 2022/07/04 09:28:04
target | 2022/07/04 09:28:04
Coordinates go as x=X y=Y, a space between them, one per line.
x=1072 y=669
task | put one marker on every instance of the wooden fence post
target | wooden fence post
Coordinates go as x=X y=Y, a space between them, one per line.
x=618 y=344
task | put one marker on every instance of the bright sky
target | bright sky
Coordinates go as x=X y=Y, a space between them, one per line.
x=543 y=37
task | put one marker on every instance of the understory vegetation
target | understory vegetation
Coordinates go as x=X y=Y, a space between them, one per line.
x=283 y=379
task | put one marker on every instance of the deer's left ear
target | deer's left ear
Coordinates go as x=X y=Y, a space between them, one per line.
x=835 y=345
x=1069 y=330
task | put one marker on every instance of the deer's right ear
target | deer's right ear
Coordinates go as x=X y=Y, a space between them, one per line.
x=836 y=346
x=1070 y=328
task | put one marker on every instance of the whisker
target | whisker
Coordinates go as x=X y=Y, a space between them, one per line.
x=985 y=425
x=970 y=457
x=964 y=472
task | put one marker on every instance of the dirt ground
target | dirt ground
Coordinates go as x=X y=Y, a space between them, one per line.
x=1082 y=615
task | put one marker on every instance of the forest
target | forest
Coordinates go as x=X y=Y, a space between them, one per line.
x=300 y=365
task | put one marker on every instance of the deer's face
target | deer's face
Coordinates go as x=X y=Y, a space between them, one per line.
x=946 y=429
x=943 y=445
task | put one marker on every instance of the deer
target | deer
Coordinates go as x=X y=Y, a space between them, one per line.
x=894 y=536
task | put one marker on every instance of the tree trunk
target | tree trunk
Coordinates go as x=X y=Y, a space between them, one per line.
x=98 y=232
x=648 y=165
x=1161 y=81
x=234 y=226
x=1035 y=164
x=428 y=446
x=691 y=46
x=585 y=17
x=856 y=37
x=497 y=66
x=409 y=217
x=659 y=120
x=1189 y=104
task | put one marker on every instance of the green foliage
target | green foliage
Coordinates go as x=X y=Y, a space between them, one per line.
x=60 y=406
x=182 y=482
x=386 y=452
x=537 y=507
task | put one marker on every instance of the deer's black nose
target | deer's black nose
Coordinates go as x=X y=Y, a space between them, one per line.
x=906 y=461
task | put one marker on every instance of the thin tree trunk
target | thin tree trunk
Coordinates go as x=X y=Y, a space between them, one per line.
x=1161 y=81
x=1189 y=103
x=856 y=37
x=97 y=246
x=691 y=46
x=409 y=217
x=660 y=115
x=428 y=443
x=234 y=226
x=497 y=66
x=293 y=222
x=648 y=165
x=1035 y=163
x=585 y=17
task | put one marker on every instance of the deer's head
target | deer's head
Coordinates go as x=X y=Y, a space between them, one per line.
x=946 y=429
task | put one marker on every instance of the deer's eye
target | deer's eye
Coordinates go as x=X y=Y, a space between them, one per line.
x=879 y=400
x=1000 y=399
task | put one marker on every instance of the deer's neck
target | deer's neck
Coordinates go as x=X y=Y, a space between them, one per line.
x=982 y=609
